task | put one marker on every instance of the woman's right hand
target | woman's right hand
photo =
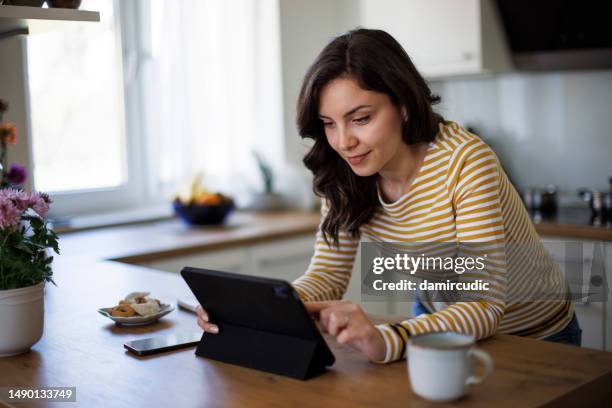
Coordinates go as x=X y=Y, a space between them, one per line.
x=203 y=321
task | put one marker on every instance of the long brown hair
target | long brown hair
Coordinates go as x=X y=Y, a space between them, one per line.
x=378 y=63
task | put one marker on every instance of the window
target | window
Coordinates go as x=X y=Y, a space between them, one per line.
x=76 y=104
x=215 y=90
x=125 y=110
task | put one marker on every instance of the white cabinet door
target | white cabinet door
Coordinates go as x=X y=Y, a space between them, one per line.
x=444 y=38
x=608 y=310
x=282 y=259
x=440 y=36
x=590 y=317
x=353 y=292
x=230 y=260
x=583 y=267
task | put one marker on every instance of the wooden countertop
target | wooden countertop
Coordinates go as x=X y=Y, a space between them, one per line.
x=83 y=349
x=169 y=238
x=576 y=223
x=573 y=231
x=164 y=239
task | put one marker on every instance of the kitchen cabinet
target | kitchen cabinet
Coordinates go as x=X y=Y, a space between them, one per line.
x=281 y=259
x=608 y=309
x=443 y=37
x=353 y=292
x=587 y=270
x=231 y=260
x=286 y=259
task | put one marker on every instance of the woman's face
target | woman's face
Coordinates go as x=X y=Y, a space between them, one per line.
x=363 y=126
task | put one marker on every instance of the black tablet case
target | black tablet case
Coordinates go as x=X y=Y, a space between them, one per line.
x=262 y=324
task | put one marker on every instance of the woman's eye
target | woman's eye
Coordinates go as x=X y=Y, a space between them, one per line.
x=362 y=120
x=328 y=124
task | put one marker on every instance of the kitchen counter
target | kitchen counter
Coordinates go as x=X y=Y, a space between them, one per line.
x=171 y=238
x=165 y=239
x=83 y=349
x=572 y=223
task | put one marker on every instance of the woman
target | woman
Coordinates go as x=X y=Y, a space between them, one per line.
x=390 y=169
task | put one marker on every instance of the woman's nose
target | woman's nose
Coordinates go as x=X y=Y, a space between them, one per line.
x=346 y=140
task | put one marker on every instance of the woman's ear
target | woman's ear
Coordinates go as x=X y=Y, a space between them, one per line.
x=404 y=114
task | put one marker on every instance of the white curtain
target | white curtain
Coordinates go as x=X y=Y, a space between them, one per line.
x=214 y=92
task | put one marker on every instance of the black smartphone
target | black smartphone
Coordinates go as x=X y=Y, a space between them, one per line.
x=160 y=344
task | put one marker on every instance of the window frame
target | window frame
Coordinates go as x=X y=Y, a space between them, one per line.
x=139 y=191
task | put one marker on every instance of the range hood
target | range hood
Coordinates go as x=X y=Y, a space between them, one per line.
x=558 y=34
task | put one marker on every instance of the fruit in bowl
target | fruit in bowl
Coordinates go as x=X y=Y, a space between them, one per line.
x=206 y=211
x=198 y=206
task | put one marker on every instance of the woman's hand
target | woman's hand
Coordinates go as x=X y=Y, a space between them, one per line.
x=350 y=325
x=203 y=321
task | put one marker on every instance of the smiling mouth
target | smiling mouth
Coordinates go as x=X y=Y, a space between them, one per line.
x=357 y=159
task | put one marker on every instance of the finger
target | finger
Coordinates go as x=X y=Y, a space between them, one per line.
x=338 y=321
x=316 y=307
x=368 y=342
x=324 y=319
x=208 y=327
x=345 y=336
x=202 y=313
x=344 y=306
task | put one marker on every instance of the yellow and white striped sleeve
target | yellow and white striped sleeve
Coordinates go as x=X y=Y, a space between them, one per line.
x=330 y=268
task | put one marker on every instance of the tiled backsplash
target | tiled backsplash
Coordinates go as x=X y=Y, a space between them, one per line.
x=545 y=127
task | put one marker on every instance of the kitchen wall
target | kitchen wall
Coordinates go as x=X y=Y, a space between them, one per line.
x=553 y=127
x=306 y=27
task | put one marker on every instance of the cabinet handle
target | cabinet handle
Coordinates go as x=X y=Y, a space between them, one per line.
x=584 y=301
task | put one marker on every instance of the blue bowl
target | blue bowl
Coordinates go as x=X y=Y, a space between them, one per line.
x=195 y=214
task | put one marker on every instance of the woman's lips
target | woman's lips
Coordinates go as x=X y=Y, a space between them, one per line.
x=355 y=160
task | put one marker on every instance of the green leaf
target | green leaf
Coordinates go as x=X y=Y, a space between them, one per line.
x=25 y=248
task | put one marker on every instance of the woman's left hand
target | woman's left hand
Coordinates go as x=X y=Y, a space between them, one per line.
x=350 y=325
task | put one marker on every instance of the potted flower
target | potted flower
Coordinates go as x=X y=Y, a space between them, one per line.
x=25 y=263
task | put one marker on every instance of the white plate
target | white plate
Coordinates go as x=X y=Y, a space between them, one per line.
x=137 y=320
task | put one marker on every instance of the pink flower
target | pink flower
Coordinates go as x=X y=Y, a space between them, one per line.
x=10 y=215
x=20 y=199
x=46 y=198
x=30 y=199
x=40 y=206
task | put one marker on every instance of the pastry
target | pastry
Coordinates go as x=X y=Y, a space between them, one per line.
x=147 y=308
x=123 y=310
x=136 y=297
x=137 y=303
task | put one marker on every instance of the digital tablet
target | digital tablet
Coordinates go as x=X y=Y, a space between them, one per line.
x=262 y=322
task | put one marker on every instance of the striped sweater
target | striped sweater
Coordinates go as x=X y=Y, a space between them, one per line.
x=460 y=194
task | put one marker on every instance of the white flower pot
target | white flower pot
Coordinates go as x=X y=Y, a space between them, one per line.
x=22 y=314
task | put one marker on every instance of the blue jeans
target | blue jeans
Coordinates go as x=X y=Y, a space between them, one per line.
x=571 y=334
x=418 y=308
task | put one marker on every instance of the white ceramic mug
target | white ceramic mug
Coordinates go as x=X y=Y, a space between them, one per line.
x=440 y=365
